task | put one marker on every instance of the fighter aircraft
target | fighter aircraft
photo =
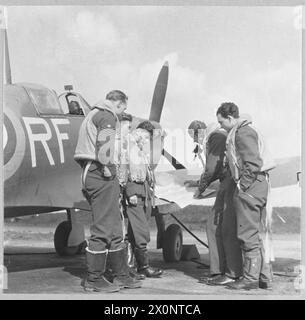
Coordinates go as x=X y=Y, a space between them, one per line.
x=39 y=137
x=40 y=130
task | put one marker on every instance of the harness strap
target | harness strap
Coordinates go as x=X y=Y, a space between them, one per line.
x=84 y=173
x=123 y=221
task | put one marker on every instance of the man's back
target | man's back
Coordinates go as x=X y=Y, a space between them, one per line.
x=215 y=152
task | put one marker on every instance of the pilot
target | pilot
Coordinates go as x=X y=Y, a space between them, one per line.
x=74 y=108
x=224 y=251
x=122 y=165
x=138 y=192
x=249 y=164
x=95 y=152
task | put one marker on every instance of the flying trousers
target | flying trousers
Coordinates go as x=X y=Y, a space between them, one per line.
x=138 y=226
x=138 y=215
x=250 y=209
x=224 y=248
x=103 y=195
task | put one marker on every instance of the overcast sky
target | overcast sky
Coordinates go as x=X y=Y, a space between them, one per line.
x=248 y=55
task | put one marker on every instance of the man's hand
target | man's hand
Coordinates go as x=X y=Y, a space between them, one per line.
x=133 y=200
x=106 y=172
x=191 y=183
x=197 y=194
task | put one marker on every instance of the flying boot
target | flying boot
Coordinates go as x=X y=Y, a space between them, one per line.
x=265 y=276
x=120 y=269
x=251 y=272
x=143 y=264
x=131 y=267
x=95 y=280
x=131 y=263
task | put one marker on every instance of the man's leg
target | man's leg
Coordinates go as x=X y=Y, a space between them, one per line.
x=265 y=277
x=233 y=253
x=215 y=241
x=139 y=228
x=98 y=191
x=118 y=251
x=213 y=229
x=106 y=230
x=248 y=206
x=131 y=246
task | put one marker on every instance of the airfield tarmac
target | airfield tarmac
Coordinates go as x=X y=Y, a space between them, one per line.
x=35 y=268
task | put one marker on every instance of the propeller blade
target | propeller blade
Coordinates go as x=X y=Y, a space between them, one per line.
x=175 y=163
x=159 y=94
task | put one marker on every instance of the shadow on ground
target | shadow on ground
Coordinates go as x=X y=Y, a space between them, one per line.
x=75 y=265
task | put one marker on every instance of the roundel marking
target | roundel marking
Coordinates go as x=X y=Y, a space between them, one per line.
x=4 y=136
x=9 y=146
x=15 y=144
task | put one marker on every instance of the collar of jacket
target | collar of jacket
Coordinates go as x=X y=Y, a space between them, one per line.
x=105 y=105
x=243 y=121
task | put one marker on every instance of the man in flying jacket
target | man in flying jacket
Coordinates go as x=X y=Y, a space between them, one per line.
x=249 y=164
x=224 y=250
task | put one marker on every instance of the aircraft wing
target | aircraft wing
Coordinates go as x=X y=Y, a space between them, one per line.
x=170 y=186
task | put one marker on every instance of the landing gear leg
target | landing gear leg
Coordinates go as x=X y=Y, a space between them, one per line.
x=69 y=237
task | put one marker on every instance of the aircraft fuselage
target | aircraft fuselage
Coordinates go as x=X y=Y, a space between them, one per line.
x=39 y=170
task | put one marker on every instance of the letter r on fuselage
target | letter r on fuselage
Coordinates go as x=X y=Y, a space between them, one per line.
x=41 y=137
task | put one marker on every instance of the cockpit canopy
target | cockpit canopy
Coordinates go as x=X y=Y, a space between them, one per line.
x=47 y=102
x=44 y=99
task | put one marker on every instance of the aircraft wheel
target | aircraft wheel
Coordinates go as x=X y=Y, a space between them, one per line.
x=172 y=243
x=61 y=237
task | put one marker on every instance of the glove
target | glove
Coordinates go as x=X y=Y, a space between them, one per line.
x=197 y=194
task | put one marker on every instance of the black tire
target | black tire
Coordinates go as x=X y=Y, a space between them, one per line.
x=82 y=248
x=172 y=243
x=61 y=237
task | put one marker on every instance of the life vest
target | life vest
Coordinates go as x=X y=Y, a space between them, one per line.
x=121 y=153
x=131 y=159
x=86 y=148
x=138 y=159
x=233 y=156
x=140 y=170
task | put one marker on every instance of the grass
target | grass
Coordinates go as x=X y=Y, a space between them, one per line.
x=285 y=219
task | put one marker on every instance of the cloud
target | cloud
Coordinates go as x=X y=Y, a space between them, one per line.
x=93 y=30
x=273 y=98
x=185 y=92
x=97 y=50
